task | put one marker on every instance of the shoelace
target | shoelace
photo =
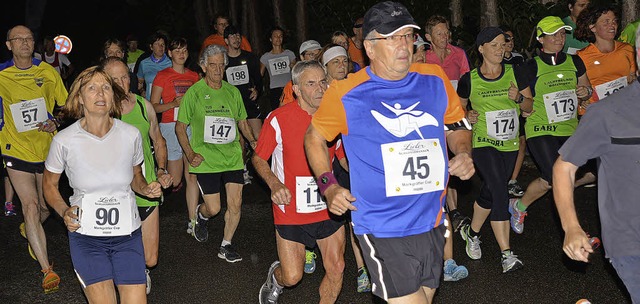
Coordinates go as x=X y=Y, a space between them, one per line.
x=309 y=257
x=475 y=243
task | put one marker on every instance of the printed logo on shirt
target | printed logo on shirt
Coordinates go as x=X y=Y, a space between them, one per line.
x=406 y=120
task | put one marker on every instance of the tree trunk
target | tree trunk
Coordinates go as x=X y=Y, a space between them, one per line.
x=254 y=32
x=629 y=12
x=301 y=20
x=202 y=18
x=277 y=13
x=233 y=12
x=244 y=26
x=547 y=1
x=489 y=13
x=456 y=13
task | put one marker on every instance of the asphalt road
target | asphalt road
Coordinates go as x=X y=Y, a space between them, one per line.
x=191 y=272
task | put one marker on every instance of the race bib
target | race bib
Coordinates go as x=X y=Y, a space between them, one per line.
x=608 y=88
x=308 y=198
x=278 y=66
x=560 y=106
x=413 y=167
x=503 y=124
x=219 y=130
x=27 y=114
x=107 y=215
x=238 y=75
x=572 y=50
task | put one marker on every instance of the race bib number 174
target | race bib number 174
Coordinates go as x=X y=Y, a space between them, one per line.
x=413 y=167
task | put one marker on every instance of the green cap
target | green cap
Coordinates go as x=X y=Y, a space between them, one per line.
x=550 y=25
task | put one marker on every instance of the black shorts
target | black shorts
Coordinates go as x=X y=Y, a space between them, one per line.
x=308 y=234
x=211 y=183
x=401 y=266
x=24 y=166
x=145 y=212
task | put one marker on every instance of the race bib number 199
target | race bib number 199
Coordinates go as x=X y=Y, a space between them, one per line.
x=308 y=198
x=279 y=65
x=413 y=167
x=27 y=114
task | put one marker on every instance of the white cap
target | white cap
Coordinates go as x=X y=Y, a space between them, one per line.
x=309 y=45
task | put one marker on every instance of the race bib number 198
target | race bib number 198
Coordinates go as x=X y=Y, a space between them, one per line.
x=413 y=167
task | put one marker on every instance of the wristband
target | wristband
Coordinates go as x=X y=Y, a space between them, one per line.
x=163 y=170
x=325 y=180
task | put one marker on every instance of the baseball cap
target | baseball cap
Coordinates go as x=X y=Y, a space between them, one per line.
x=309 y=45
x=550 y=25
x=387 y=18
x=487 y=34
x=419 y=41
x=230 y=30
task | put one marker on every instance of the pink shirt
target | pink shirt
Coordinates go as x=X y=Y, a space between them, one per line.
x=455 y=65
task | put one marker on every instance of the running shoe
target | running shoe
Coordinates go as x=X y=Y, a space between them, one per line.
x=31 y=253
x=364 y=284
x=23 y=230
x=458 y=220
x=270 y=291
x=473 y=243
x=229 y=253
x=146 y=272
x=515 y=189
x=517 y=217
x=309 y=261
x=8 y=209
x=190 y=225
x=247 y=177
x=454 y=272
x=50 y=281
x=200 y=231
x=510 y=262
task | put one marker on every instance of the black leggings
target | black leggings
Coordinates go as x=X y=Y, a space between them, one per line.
x=544 y=150
x=274 y=97
x=495 y=169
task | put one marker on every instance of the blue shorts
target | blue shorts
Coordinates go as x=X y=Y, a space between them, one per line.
x=168 y=130
x=628 y=268
x=118 y=258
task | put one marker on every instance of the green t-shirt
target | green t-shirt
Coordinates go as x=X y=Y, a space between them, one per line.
x=555 y=103
x=138 y=118
x=571 y=44
x=628 y=35
x=213 y=116
x=498 y=121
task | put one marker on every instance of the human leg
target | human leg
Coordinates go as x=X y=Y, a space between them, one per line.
x=151 y=237
x=102 y=292
x=332 y=250
x=231 y=221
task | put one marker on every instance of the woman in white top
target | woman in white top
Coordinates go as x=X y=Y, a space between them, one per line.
x=101 y=156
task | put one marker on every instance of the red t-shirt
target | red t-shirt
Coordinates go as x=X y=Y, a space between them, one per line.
x=173 y=85
x=282 y=140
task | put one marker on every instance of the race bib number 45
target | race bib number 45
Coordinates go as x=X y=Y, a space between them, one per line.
x=219 y=130
x=106 y=215
x=308 y=198
x=413 y=167
x=561 y=106
x=27 y=114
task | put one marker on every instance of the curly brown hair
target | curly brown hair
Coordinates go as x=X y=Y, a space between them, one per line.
x=587 y=19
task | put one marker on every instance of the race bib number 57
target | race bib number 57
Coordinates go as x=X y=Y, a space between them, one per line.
x=27 y=114
x=413 y=167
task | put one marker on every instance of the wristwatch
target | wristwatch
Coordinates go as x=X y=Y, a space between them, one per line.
x=163 y=170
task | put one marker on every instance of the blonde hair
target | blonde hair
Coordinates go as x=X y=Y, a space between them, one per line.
x=73 y=107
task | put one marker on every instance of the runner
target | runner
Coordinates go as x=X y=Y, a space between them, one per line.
x=169 y=87
x=115 y=47
x=102 y=157
x=219 y=23
x=150 y=66
x=573 y=45
x=139 y=113
x=300 y=213
x=356 y=48
x=396 y=199
x=342 y=39
x=497 y=92
x=30 y=89
x=309 y=50
x=214 y=110
x=559 y=83
x=243 y=72
x=277 y=62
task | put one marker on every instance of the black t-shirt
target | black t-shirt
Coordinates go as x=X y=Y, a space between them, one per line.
x=245 y=65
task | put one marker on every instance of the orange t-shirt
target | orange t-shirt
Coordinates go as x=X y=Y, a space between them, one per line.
x=608 y=72
x=219 y=40
x=356 y=55
x=287 y=94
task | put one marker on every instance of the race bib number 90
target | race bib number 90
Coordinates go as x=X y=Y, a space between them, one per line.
x=106 y=215
x=413 y=167
x=27 y=114
x=503 y=124
x=308 y=198
x=561 y=106
x=219 y=130
x=279 y=65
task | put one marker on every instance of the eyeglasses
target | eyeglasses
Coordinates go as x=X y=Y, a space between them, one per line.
x=22 y=39
x=396 y=38
x=357 y=25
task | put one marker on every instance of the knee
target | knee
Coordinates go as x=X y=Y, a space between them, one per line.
x=290 y=278
x=334 y=267
x=545 y=184
x=151 y=259
x=212 y=209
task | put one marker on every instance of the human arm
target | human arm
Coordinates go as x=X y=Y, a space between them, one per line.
x=160 y=148
x=338 y=198
x=280 y=194
x=246 y=131
x=193 y=158
x=156 y=95
x=139 y=184
x=50 y=182
x=576 y=243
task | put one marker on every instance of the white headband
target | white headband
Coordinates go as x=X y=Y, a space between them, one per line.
x=333 y=53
